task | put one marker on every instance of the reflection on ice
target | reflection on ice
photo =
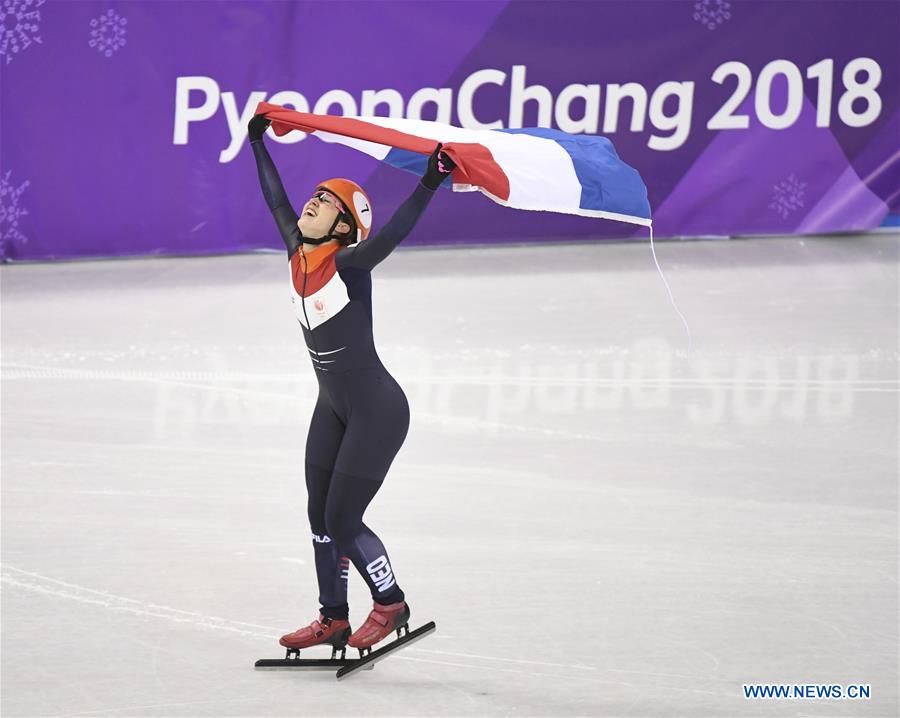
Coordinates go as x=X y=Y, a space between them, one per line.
x=747 y=390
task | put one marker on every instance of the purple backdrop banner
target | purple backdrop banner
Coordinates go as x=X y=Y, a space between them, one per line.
x=124 y=123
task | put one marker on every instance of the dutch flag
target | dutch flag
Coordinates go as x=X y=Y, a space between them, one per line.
x=531 y=168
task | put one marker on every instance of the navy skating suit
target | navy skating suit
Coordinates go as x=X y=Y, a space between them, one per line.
x=361 y=415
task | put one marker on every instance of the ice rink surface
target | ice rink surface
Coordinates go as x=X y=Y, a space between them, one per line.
x=599 y=524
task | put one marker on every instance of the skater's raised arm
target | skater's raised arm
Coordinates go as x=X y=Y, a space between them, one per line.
x=368 y=253
x=272 y=187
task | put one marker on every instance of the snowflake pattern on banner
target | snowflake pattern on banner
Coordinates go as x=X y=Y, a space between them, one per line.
x=788 y=196
x=10 y=214
x=108 y=33
x=18 y=26
x=712 y=13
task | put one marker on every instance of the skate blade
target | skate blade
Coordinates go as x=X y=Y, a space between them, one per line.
x=369 y=660
x=301 y=664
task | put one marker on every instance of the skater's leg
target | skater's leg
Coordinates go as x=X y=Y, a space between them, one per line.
x=347 y=501
x=372 y=438
x=323 y=441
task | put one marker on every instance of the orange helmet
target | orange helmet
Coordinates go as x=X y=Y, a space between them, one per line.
x=357 y=206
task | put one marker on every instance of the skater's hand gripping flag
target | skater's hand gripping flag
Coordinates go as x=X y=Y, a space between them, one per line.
x=529 y=168
x=440 y=167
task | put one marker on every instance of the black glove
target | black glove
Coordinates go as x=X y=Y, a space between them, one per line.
x=257 y=126
x=439 y=168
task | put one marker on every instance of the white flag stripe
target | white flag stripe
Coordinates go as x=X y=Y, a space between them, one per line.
x=528 y=185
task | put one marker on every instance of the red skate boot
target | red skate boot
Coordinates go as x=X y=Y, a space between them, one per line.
x=332 y=631
x=381 y=622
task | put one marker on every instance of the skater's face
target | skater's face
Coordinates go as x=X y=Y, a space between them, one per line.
x=319 y=214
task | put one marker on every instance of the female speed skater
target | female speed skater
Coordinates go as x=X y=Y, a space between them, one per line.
x=361 y=415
